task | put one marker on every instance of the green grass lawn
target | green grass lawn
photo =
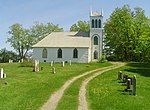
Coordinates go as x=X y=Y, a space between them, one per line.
x=105 y=92
x=27 y=90
x=70 y=100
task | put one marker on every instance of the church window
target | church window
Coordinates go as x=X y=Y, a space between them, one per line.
x=96 y=23
x=44 y=53
x=95 y=40
x=99 y=23
x=59 y=53
x=92 y=23
x=75 y=53
x=95 y=55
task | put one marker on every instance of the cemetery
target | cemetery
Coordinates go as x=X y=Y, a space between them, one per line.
x=29 y=89
x=99 y=64
x=123 y=85
x=128 y=81
x=121 y=92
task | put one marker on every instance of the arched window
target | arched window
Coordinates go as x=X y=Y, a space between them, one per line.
x=99 y=23
x=92 y=23
x=96 y=23
x=95 y=54
x=59 y=53
x=95 y=40
x=44 y=53
x=75 y=53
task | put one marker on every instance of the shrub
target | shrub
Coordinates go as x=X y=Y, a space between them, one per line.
x=103 y=59
x=26 y=63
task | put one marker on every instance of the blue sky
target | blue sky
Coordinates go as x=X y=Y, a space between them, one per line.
x=62 y=12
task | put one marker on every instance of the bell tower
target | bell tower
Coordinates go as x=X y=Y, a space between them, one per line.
x=96 y=35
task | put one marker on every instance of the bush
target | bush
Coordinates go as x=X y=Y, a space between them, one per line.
x=103 y=59
x=26 y=63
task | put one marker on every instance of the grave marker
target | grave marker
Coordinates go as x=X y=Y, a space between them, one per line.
x=131 y=80
x=51 y=63
x=125 y=77
x=128 y=84
x=36 y=66
x=22 y=60
x=134 y=85
x=10 y=61
x=69 y=62
x=120 y=75
x=4 y=75
x=63 y=64
x=128 y=89
x=53 y=70
x=1 y=73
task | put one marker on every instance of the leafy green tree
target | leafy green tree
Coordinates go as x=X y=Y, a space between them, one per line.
x=81 y=26
x=141 y=35
x=20 y=39
x=40 y=30
x=123 y=31
x=5 y=55
x=142 y=51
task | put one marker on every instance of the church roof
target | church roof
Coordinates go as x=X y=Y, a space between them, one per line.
x=65 y=39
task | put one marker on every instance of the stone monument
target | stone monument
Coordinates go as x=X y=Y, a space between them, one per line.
x=63 y=64
x=69 y=62
x=36 y=66
x=53 y=70
x=134 y=85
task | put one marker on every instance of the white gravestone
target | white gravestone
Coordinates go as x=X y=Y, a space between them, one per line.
x=1 y=73
x=69 y=62
x=21 y=60
x=51 y=63
x=63 y=64
x=36 y=66
x=10 y=61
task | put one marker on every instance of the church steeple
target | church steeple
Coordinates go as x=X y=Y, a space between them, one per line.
x=96 y=19
x=96 y=34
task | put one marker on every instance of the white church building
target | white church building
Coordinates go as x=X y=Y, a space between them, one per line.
x=80 y=47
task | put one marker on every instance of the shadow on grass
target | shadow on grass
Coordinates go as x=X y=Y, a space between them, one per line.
x=143 y=72
x=140 y=65
x=141 y=68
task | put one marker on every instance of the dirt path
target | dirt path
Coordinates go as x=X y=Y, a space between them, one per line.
x=52 y=103
x=82 y=93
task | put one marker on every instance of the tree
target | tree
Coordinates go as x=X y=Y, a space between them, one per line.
x=123 y=31
x=142 y=51
x=5 y=55
x=20 y=39
x=141 y=35
x=81 y=26
x=40 y=30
